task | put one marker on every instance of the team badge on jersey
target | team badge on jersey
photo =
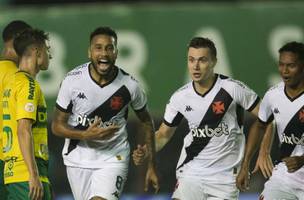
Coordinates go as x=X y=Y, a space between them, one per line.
x=218 y=107
x=29 y=107
x=116 y=102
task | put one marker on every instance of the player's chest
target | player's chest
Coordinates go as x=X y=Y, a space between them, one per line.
x=287 y=111
x=196 y=110
x=112 y=98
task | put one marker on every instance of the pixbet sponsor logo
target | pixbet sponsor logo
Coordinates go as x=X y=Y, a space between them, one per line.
x=294 y=140
x=222 y=129
x=85 y=121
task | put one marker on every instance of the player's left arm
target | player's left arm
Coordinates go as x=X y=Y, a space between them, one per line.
x=25 y=138
x=148 y=129
x=293 y=163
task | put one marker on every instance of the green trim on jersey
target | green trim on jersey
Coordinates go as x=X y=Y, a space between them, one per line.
x=20 y=191
x=42 y=167
x=3 y=190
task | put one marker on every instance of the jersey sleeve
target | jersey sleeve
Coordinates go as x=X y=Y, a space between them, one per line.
x=63 y=101
x=172 y=116
x=265 y=112
x=245 y=96
x=27 y=98
x=139 y=98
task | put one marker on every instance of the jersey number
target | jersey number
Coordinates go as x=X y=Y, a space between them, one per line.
x=119 y=182
x=9 y=134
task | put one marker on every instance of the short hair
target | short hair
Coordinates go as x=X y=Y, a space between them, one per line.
x=14 y=28
x=28 y=38
x=201 y=42
x=104 y=30
x=294 y=47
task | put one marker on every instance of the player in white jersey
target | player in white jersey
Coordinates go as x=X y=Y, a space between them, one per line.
x=97 y=167
x=283 y=103
x=213 y=105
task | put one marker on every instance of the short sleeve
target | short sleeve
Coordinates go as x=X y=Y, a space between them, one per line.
x=64 y=96
x=172 y=116
x=245 y=96
x=139 y=99
x=265 y=112
x=27 y=98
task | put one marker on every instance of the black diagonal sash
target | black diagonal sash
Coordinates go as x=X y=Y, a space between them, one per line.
x=294 y=127
x=212 y=120
x=105 y=111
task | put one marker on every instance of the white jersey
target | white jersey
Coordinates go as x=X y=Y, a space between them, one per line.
x=214 y=147
x=84 y=99
x=289 y=117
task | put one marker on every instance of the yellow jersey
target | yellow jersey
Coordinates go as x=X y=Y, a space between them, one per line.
x=23 y=98
x=7 y=68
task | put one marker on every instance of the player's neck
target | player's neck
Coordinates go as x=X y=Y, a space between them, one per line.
x=204 y=86
x=106 y=78
x=8 y=53
x=29 y=66
x=296 y=90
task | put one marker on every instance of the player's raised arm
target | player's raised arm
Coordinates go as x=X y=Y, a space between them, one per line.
x=61 y=128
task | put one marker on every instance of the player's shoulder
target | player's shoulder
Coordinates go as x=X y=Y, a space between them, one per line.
x=231 y=82
x=23 y=79
x=276 y=88
x=183 y=90
x=77 y=71
x=126 y=77
x=8 y=66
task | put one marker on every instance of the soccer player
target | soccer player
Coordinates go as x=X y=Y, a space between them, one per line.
x=283 y=103
x=8 y=61
x=25 y=121
x=97 y=167
x=213 y=105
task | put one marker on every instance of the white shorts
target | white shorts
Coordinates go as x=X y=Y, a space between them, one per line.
x=274 y=189
x=195 y=189
x=106 y=182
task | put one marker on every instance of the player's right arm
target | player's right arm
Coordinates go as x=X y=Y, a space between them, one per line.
x=61 y=128
x=254 y=140
x=162 y=137
x=172 y=118
x=264 y=161
x=24 y=131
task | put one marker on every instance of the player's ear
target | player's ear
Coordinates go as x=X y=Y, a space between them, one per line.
x=89 y=52
x=35 y=51
x=117 y=52
x=214 y=61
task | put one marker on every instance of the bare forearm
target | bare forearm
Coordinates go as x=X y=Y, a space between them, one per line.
x=253 y=142
x=160 y=141
x=27 y=150
x=66 y=131
x=163 y=135
x=149 y=139
x=267 y=139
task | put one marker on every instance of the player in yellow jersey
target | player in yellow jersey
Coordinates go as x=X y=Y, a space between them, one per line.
x=8 y=60
x=25 y=122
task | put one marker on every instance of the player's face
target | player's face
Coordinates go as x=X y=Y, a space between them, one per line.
x=43 y=57
x=200 y=64
x=291 y=69
x=103 y=53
